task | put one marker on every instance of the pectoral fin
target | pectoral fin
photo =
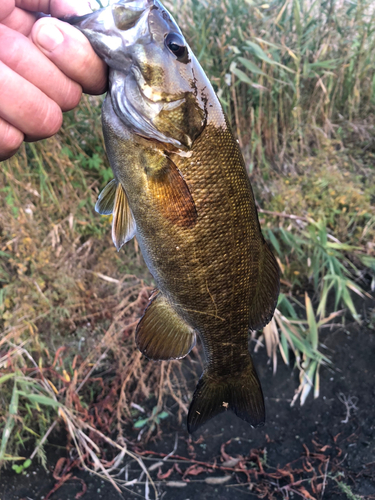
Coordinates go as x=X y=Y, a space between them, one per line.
x=171 y=193
x=106 y=200
x=161 y=333
x=123 y=224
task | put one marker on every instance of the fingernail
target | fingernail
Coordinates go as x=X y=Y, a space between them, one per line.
x=49 y=37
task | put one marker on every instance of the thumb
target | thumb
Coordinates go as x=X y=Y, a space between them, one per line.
x=71 y=52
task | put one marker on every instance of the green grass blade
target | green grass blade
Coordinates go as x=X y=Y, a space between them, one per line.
x=6 y=377
x=253 y=68
x=40 y=399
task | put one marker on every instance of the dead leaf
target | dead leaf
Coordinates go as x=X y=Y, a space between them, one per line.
x=194 y=470
x=166 y=474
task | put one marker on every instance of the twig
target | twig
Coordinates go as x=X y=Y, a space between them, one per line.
x=112 y=280
x=350 y=404
x=91 y=371
x=286 y=216
x=43 y=439
x=324 y=479
x=234 y=97
x=174 y=448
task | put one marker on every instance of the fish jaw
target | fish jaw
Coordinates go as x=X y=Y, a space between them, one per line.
x=154 y=91
x=123 y=46
x=108 y=33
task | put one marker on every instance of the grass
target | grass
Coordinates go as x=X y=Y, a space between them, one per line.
x=297 y=81
x=346 y=489
x=288 y=71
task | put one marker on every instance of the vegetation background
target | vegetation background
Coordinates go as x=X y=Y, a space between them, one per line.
x=297 y=80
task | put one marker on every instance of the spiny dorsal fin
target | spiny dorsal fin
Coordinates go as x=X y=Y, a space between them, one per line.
x=171 y=193
x=123 y=224
x=267 y=291
x=106 y=200
x=240 y=392
x=161 y=333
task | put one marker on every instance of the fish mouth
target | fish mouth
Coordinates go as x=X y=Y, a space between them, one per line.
x=114 y=29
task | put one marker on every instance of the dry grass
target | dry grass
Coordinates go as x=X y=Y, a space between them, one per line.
x=69 y=302
x=289 y=73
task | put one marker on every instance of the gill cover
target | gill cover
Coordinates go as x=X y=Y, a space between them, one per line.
x=152 y=84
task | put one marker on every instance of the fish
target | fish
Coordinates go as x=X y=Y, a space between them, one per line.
x=181 y=187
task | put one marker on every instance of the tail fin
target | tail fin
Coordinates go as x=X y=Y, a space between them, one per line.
x=239 y=392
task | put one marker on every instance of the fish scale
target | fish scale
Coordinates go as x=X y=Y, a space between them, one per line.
x=181 y=187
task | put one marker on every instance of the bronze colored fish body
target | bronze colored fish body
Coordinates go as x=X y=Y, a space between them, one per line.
x=181 y=187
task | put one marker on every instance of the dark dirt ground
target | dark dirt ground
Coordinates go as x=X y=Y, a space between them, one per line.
x=295 y=455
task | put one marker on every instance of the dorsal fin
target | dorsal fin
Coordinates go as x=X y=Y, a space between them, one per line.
x=106 y=200
x=161 y=333
x=123 y=224
x=264 y=300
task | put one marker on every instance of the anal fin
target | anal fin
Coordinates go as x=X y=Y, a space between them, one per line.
x=161 y=333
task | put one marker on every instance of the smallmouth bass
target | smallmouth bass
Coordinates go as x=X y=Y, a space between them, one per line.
x=180 y=185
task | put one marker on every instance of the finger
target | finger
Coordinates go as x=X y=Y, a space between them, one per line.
x=70 y=50
x=10 y=140
x=56 y=8
x=21 y=55
x=26 y=108
x=61 y=8
x=6 y=8
x=20 y=20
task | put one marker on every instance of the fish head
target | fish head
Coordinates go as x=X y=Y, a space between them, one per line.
x=157 y=86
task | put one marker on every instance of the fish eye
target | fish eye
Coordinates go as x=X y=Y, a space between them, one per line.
x=176 y=45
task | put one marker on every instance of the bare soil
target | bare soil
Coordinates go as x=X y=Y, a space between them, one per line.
x=323 y=449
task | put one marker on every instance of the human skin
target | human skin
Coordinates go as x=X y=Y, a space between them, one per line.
x=45 y=65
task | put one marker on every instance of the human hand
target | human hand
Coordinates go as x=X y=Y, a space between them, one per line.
x=45 y=65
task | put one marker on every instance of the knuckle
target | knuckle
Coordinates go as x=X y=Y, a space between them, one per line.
x=5 y=80
x=42 y=6
x=15 y=48
x=6 y=10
